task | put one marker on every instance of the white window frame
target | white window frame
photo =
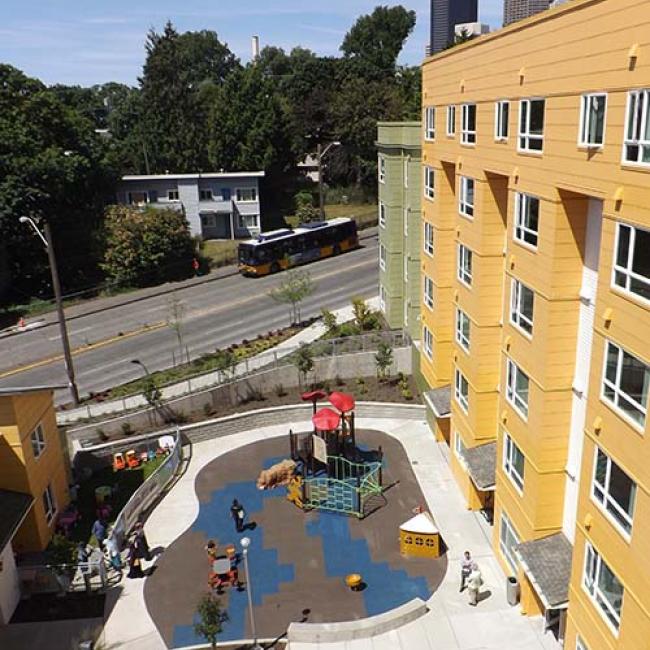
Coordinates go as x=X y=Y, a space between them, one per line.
x=459 y=381
x=427 y=342
x=381 y=169
x=501 y=126
x=586 y=118
x=382 y=298
x=525 y=134
x=173 y=196
x=517 y=317
x=510 y=451
x=239 y=192
x=406 y=267
x=619 y=394
x=459 y=446
x=520 y=405
x=406 y=221
x=428 y=238
x=633 y=127
x=37 y=438
x=461 y=338
x=430 y=123
x=382 y=214
x=406 y=172
x=606 y=502
x=592 y=568
x=510 y=559
x=427 y=293
x=521 y=228
x=626 y=271
x=464 y=265
x=206 y=194
x=467 y=135
x=451 y=121
x=429 y=183
x=465 y=207
x=49 y=504
x=248 y=221
x=382 y=257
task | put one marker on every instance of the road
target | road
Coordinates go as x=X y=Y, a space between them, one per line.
x=216 y=314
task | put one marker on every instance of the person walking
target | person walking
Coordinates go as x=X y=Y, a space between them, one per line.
x=99 y=531
x=465 y=569
x=141 y=543
x=237 y=513
x=474 y=583
x=135 y=563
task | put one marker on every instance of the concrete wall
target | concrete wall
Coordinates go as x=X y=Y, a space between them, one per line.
x=350 y=366
x=9 y=585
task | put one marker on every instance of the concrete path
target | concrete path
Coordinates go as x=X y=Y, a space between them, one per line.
x=451 y=624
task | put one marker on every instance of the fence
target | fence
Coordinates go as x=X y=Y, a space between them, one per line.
x=272 y=359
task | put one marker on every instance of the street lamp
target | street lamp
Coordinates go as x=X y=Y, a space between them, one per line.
x=320 y=152
x=245 y=543
x=56 y=285
x=137 y=362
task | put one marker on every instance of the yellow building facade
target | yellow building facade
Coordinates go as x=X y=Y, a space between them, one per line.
x=32 y=461
x=536 y=241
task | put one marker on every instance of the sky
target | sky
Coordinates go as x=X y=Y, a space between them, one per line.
x=86 y=42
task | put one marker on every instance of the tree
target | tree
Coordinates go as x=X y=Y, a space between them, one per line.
x=365 y=318
x=329 y=320
x=305 y=210
x=376 y=40
x=294 y=288
x=303 y=359
x=383 y=360
x=175 y=316
x=144 y=247
x=211 y=619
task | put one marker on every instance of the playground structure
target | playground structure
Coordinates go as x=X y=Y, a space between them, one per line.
x=331 y=472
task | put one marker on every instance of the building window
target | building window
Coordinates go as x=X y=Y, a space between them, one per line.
x=381 y=169
x=526 y=219
x=464 y=265
x=632 y=261
x=382 y=257
x=468 y=124
x=246 y=195
x=139 y=198
x=462 y=329
x=580 y=644
x=522 y=303
x=466 y=196
x=382 y=215
x=428 y=292
x=517 y=388
x=172 y=195
x=225 y=194
x=248 y=221
x=508 y=540
x=637 y=133
x=49 y=505
x=501 y=116
x=205 y=195
x=428 y=238
x=429 y=123
x=459 y=446
x=427 y=337
x=208 y=220
x=625 y=383
x=38 y=441
x=592 y=120
x=461 y=390
x=603 y=587
x=613 y=490
x=531 y=125
x=451 y=121
x=513 y=462
x=429 y=183
x=382 y=298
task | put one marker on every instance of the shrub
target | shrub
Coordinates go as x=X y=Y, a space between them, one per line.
x=103 y=436
x=407 y=394
x=339 y=381
x=207 y=409
x=278 y=389
x=127 y=429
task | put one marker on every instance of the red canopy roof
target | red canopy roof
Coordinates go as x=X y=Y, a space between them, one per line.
x=313 y=396
x=326 y=420
x=344 y=402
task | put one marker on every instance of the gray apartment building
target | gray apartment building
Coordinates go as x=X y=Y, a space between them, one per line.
x=219 y=205
x=514 y=10
x=445 y=15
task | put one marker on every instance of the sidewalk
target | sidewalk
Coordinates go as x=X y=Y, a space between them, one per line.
x=451 y=624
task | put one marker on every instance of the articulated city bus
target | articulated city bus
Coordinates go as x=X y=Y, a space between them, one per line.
x=279 y=249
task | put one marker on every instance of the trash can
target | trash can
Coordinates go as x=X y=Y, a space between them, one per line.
x=512 y=590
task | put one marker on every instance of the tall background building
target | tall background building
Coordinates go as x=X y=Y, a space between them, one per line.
x=536 y=305
x=445 y=15
x=517 y=9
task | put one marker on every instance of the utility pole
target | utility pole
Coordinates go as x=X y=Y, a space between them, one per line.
x=320 y=153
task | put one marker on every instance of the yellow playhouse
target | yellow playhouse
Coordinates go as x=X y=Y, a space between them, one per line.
x=419 y=537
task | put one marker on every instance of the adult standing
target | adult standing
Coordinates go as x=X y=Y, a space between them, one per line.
x=99 y=531
x=135 y=563
x=474 y=583
x=237 y=513
x=141 y=543
x=465 y=569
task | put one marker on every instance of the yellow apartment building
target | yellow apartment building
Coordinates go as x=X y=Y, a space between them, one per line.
x=536 y=322
x=32 y=463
